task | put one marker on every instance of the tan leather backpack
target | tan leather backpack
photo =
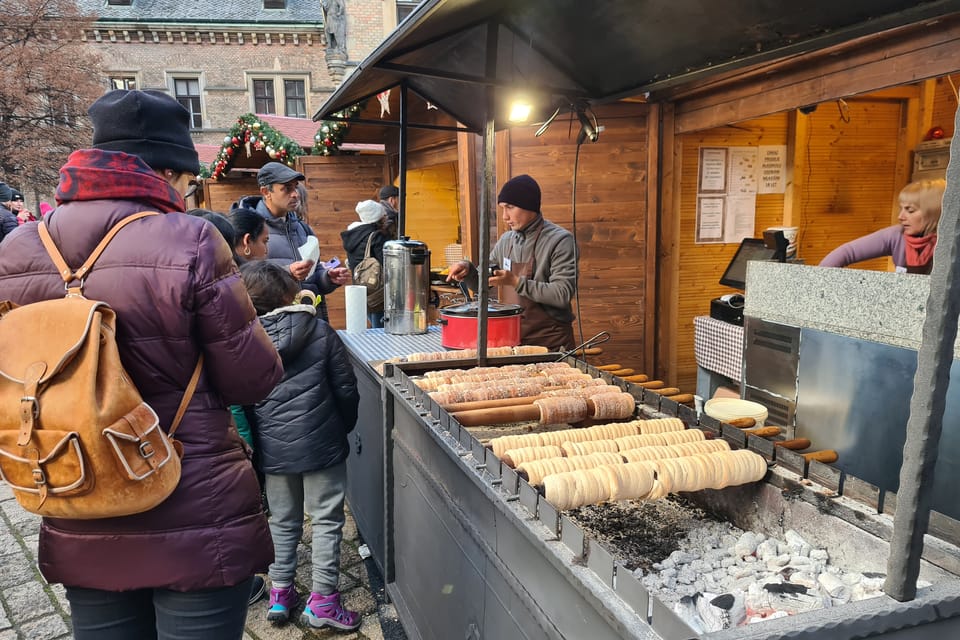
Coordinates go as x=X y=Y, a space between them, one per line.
x=76 y=438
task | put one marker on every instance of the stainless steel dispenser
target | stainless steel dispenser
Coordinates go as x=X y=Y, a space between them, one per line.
x=406 y=286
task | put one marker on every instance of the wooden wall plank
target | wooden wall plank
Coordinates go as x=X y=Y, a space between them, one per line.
x=611 y=219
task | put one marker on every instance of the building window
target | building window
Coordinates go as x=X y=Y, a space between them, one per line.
x=273 y=95
x=274 y=4
x=405 y=8
x=187 y=92
x=263 y=101
x=123 y=82
x=295 y=98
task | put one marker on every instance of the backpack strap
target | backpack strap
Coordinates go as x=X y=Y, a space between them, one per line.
x=187 y=396
x=366 y=254
x=65 y=272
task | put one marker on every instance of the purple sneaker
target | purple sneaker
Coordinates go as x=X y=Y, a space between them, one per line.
x=281 y=602
x=326 y=611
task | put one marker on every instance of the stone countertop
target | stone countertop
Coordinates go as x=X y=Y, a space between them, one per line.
x=880 y=306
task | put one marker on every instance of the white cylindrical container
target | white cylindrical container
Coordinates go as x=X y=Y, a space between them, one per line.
x=356 y=300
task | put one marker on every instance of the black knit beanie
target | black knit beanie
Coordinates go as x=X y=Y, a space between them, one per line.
x=521 y=191
x=148 y=124
x=6 y=193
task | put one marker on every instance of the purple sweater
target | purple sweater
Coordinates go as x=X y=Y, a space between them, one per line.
x=886 y=242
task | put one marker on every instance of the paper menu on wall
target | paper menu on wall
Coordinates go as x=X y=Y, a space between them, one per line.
x=310 y=250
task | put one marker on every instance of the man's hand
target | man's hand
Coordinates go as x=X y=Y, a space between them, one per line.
x=339 y=275
x=458 y=271
x=300 y=269
x=503 y=278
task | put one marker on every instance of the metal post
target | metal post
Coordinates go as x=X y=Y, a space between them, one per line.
x=929 y=397
x=486 y=197
x=402 y=168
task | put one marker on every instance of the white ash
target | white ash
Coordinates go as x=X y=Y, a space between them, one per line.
x=722 y=577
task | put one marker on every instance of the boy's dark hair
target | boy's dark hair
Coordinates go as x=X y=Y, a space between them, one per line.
x=270 y=286
x=222 y=224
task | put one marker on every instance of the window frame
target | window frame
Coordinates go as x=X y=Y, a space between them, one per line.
x=125 y=77
x=279 y=81
x=196 y=110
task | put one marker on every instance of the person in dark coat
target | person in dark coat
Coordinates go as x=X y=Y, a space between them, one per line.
x=371 y=223
x=184 y=568
x=277 y=204
x=8 y=219
x=300 y=432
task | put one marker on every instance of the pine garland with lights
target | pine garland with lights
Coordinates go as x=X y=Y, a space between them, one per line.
x=252 y=134
x=330 y=134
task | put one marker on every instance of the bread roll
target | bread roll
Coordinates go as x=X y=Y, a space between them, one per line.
x=513 y=457
x=613 y=406
x=561 y=409
x=537 y=470
x=589 y=446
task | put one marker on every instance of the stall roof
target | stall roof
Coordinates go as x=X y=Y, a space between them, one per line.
x=579 y=52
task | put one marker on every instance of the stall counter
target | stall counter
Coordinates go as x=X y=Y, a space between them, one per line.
x=366 y=481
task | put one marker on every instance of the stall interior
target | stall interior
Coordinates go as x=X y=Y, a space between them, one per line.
x=844 y=163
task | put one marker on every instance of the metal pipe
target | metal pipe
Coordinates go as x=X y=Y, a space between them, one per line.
x=486 y=195
x=402 y=169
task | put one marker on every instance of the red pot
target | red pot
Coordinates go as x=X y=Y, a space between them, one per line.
x=459 y=325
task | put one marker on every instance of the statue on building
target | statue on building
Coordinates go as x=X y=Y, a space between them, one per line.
x=335 y=25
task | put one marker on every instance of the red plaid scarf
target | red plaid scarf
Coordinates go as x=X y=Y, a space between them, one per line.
x=93 y=174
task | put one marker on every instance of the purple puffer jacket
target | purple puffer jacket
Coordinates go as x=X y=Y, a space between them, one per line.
x=176 y=291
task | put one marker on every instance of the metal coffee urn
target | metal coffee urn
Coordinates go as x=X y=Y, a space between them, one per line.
x=406 y=286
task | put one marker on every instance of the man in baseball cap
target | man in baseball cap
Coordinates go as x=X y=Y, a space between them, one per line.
x=277 y=204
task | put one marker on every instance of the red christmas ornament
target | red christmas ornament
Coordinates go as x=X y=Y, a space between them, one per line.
x=328 y=142
x=229 y=152
x=234 y=141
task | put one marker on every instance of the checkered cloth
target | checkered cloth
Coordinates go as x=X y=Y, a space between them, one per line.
x=718 y=346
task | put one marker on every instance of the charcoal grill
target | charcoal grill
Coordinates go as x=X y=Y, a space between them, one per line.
x=473 y=551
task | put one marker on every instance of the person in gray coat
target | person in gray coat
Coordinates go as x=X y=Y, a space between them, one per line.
x=300 y=433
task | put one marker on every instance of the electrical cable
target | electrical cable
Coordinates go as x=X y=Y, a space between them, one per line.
x=576 y=244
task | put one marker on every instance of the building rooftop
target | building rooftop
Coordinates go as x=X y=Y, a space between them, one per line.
x=240 y=12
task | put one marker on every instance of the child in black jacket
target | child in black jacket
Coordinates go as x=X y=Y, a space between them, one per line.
x=301 y=437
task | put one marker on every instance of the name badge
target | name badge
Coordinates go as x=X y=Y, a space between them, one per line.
x=506 y=264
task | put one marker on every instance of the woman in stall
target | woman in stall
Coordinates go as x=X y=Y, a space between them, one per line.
x=910 y=242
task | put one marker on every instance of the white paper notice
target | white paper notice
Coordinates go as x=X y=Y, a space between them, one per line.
x=773 y=169
x=311 y=251
x=713 y=169
x=743 y=171
x=740 y=219
x=709 y=220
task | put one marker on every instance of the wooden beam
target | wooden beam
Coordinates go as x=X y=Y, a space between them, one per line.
x=668 y=247
x=902 y=59
x=654 y=155
x=797 y=131
x=467 y=182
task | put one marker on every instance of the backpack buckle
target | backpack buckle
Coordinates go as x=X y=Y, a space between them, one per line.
x=146 y=449
x=39 y=477
x=35 y=408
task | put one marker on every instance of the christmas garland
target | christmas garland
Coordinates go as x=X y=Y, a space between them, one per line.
x=251 y=134
x=330 y=134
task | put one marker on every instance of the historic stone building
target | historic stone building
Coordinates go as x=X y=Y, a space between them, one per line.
x=224 y=59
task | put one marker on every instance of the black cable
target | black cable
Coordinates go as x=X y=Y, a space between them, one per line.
x=576 y=245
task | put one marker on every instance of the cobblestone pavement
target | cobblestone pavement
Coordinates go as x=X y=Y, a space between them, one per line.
x=31 y=609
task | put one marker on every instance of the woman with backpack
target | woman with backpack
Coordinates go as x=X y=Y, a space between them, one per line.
x=364 y=239
x=185 y=567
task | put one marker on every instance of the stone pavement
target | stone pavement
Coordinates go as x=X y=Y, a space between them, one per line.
x=30 y=609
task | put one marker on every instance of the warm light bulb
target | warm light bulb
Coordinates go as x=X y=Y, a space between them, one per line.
x=520 y=111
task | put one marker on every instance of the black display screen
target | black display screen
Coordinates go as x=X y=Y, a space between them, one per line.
x=750 y=249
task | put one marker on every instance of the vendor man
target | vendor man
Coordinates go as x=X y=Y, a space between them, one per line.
x=535 y=264
x=277 y=205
